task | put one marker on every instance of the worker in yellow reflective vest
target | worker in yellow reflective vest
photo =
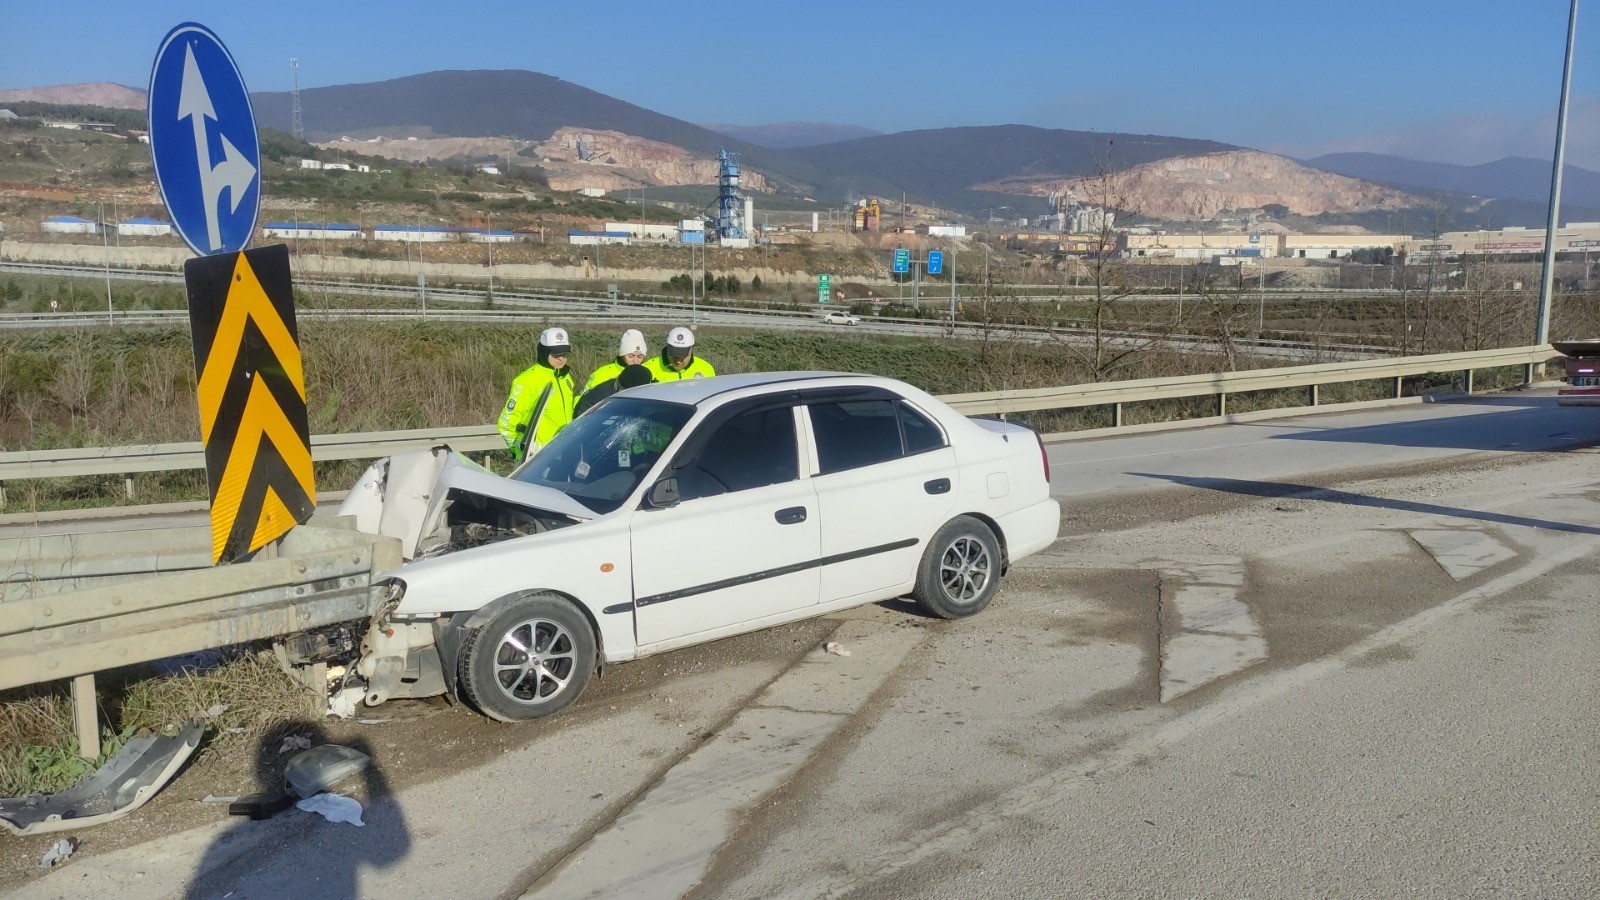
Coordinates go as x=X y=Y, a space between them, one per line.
x=631 y=351
x=678 y=360
x=541 y=399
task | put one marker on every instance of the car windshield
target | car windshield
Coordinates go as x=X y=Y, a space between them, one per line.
x=600 y=458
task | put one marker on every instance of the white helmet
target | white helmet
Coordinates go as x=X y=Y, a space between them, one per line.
x=632 y=342
x=554 y=340
x=680 y=342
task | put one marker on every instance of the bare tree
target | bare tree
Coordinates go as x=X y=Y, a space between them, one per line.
x=1113 y=334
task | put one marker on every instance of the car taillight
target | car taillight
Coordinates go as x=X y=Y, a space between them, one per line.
x=1043 y=457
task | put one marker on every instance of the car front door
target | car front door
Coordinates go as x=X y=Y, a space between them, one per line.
x=741 y=543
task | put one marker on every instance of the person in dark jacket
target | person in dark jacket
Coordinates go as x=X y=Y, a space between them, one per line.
x=630 y=376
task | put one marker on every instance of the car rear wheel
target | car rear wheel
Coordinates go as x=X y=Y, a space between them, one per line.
x=960 y=571
x=532 y=658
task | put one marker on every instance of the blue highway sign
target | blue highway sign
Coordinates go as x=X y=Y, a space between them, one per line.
x=203 y=141
x=902 y=261
x=935 y=262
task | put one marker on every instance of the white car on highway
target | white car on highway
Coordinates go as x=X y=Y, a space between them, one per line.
x=674 y=514
x=841 y=318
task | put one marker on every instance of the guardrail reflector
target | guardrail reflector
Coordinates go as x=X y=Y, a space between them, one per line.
x=252 y=395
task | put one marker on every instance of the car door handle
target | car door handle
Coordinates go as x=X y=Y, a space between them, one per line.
x=937 y=486
x=791 y=516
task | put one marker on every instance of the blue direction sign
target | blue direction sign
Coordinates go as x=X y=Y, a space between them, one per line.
x=935 y=262
x=902 y=261
x=203 y=141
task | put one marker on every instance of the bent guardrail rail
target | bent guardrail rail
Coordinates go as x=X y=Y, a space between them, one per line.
x=72 y=605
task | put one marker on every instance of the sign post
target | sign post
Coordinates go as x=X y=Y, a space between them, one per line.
x=251 y=386
x=824 y=288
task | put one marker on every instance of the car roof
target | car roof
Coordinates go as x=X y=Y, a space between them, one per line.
x=699 y=390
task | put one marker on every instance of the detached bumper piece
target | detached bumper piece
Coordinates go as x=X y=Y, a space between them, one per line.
x=126 y=782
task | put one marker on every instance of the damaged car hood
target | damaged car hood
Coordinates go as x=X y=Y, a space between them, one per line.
x=404 y=496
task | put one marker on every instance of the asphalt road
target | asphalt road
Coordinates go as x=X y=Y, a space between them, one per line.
x=1340 y=655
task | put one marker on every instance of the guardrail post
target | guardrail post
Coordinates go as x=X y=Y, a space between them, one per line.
x=127 y=487
x=1527 y=373
x=1469 y=380
x=1312 y=394
x=1116 y=415
x=86 y=716
x=1397 y=386
x=1222 y=404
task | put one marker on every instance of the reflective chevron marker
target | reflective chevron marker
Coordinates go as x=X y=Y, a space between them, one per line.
x=252 y=398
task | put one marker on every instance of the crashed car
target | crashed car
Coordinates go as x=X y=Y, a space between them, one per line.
x=675 y=514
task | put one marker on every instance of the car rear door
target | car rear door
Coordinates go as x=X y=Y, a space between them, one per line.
x=885 y=481
x=742 y=542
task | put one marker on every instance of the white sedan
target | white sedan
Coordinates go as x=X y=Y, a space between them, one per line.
x=841 y=318
x=674 y=514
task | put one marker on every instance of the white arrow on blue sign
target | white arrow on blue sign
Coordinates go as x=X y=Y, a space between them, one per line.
x=203 y=141
x=935 y=262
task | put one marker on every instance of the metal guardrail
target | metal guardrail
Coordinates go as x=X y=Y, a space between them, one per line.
x=73 y=605
x=24 y=464
x=1222 y=384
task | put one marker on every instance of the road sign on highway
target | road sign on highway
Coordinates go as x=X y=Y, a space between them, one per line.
x=902 y=261
x=824 y=288
x=203 y=141
x=935 y=262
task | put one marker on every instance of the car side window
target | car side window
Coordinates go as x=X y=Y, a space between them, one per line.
x=921 y=434
x=855 y=433
x=750 y=450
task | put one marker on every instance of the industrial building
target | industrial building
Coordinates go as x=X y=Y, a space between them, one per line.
x=427 y=234
x=144 y=228
x=599 y=237
x=1574 y=237
x=311 y=231
x=70 y=225
x=1209 y=247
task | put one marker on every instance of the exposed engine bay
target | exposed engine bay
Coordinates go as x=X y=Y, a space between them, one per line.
x=436 y=502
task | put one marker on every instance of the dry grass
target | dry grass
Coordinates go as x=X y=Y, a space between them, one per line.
x=241 y=693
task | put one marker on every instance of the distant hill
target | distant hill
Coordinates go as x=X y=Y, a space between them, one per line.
x=485 y=103
x=943 y=165
x=1512 y=178
x=95 y=93
x=788 y=135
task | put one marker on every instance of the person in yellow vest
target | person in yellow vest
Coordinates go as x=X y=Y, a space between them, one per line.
x=541 y=399
x=630 y=352
x=678 y=359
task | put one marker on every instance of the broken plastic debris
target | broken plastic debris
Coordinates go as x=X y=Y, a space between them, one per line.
x=216 y=709
x=58 y=853
x=314 y=771
x=213 y=798
x=295 y=742
x=343 y=704
x=334 y=808
x=836 y=648
x=373 y=721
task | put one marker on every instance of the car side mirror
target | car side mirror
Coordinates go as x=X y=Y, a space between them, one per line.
x=663 y=494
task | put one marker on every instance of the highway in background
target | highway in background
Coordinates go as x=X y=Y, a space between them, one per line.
x=1345 y=654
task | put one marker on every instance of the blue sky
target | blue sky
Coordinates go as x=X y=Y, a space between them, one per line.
x=1461 y=81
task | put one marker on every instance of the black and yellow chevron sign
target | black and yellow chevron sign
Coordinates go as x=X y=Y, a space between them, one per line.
x=252 y=393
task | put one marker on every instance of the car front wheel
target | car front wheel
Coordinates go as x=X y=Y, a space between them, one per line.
x=960 y=571
x=531 y=659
